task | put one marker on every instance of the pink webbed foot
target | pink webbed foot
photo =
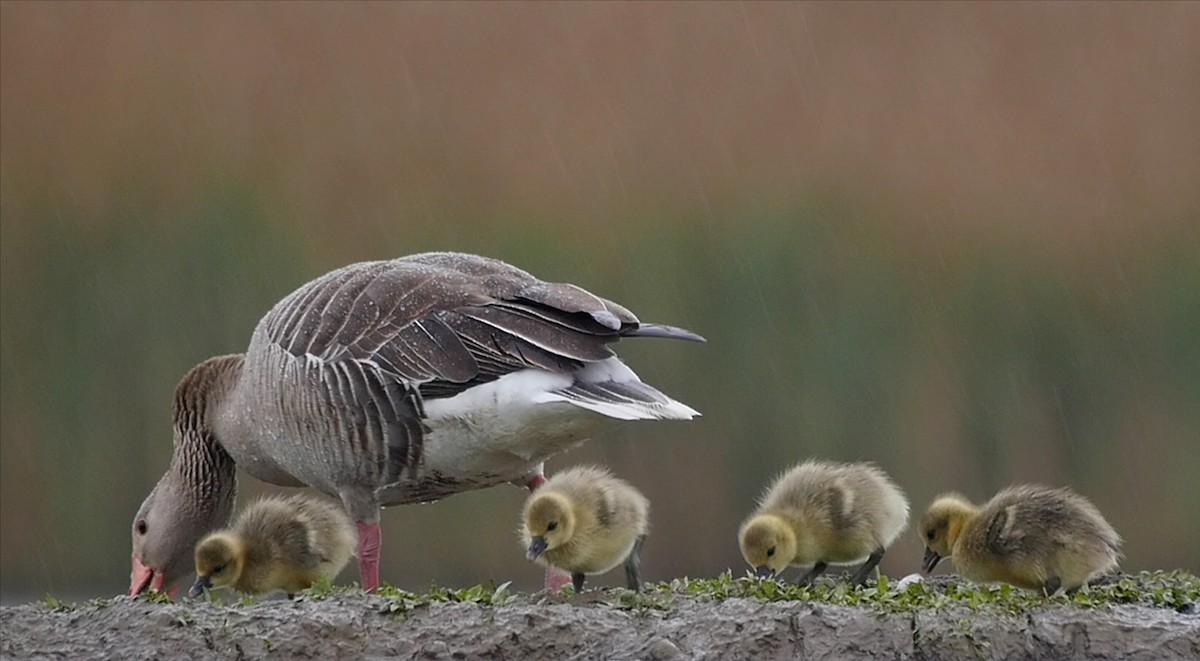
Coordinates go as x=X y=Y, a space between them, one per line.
x=556 y=579
x=368 y=555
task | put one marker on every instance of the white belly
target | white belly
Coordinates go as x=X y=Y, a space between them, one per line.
x=503 y=430
x=496 y=433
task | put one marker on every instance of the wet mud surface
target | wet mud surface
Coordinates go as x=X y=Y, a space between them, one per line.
x=591 y=626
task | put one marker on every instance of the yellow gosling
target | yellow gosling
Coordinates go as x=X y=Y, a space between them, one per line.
x=586 y=521
x=821 y=513
x=277 y=543
x=1034 y=537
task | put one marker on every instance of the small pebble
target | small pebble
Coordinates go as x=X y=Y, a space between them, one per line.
x=909 y=580
x=438 y=649
x=662 y=649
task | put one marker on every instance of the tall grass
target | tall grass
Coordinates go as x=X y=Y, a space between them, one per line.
x=964 y=375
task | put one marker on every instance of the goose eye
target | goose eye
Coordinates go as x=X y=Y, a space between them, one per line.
x=140 y=527
x=929 y=535
x=218 y=570
x=771 y=552
x=553 y=525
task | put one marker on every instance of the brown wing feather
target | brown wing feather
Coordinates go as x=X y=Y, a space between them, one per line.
x=413 y=318
x=388 y=334
x=448 y=321
x=999 y=540
x=445 y=322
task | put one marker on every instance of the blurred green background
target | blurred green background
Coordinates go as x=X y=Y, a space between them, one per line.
x=960 y=240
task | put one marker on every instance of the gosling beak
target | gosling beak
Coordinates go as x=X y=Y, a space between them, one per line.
x=764 y=572
x=537 y=546
x=931 y=560
x=144 y=578
x=202 y=583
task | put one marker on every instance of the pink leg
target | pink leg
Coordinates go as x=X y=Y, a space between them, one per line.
x=555 y=579
x=535 y=482
x=368 y=555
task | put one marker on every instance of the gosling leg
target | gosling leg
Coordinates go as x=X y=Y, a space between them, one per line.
x=1052 y=585
x=867 y=567
x=813 y=573
x=633 y=566
x=577 y=580
x=555 y=579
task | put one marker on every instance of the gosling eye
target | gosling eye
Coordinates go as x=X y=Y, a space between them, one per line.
x=218 y=570
x=140 y=527
x=553 y=525
x=771 y=552
x=930 y=535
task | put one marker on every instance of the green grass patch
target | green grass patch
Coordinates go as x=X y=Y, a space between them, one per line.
x=55 y=605
x=1159 y=589
x=400 y=601
x=1177 y=590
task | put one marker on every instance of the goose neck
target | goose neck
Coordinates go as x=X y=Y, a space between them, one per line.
x=200 y=461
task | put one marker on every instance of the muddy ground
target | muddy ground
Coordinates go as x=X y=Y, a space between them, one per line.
x=596 y=625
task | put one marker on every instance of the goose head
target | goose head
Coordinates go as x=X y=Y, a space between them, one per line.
x=165 y=531
x=196 y=493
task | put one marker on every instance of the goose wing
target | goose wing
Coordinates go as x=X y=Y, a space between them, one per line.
x=447 y=321
x=393 y=333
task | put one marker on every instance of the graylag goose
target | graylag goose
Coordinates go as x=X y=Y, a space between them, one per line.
x=1034 y=537
x=585 y=521
x=820 y=513
x=394 y=382
x=277 y=543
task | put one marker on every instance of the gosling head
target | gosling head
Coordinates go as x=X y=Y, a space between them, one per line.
x=549 y=523
x=220 y=558
x=941 y=527
x=768 y=544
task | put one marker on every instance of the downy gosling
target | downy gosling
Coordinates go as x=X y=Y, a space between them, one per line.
x=586 y=521
x=821 y=513
x=1034 y=537
x=277 y=543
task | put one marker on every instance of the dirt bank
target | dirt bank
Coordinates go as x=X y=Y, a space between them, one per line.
x=670 y=623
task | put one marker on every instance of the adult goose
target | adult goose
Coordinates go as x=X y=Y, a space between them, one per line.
x=393 y=382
